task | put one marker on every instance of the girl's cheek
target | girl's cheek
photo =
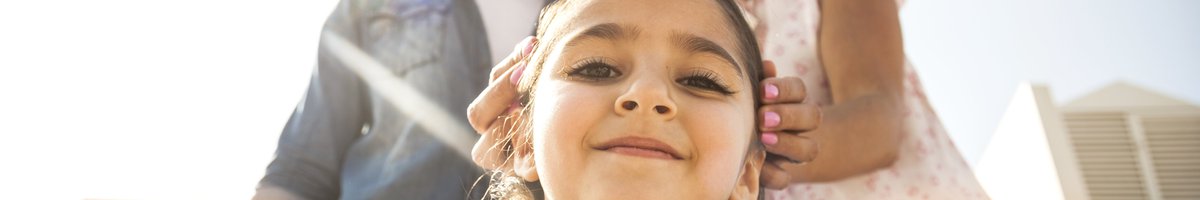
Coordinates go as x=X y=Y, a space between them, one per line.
x=570 y=104
x=564 y=112
x=706 y=119
x=562 y=117
x=721 y=133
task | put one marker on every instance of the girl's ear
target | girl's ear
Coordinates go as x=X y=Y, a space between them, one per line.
x=748 y=182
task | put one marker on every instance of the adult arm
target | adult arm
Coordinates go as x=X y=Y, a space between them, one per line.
x=327 y=121
x=862 y=51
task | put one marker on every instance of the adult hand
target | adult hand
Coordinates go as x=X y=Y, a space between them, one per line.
x=487 y=111
x=786 y=116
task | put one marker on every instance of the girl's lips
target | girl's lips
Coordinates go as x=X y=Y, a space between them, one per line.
x=649 y=153
x=640 y=146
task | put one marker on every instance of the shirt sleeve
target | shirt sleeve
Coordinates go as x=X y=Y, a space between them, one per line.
x=324 y=125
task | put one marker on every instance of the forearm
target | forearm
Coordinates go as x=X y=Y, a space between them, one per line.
x=862 y=51
x=861 y=48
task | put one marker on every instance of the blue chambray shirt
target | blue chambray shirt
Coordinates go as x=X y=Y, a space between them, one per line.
x=343 y=141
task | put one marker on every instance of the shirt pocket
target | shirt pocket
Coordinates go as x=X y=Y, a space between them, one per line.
x=405 y=34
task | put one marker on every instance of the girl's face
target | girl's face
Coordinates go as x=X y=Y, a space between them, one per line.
x=643 y=99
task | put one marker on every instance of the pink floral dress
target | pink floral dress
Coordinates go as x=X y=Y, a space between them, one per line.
x=928 y=167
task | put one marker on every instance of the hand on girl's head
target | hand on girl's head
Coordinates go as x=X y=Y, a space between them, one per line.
x=486 y=112
x=785 y=100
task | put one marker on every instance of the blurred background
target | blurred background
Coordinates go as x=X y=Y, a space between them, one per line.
x=133 y=99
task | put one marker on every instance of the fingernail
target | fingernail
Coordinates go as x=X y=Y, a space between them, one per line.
x=529 y=41
x=770 y=91
x=771 y=119
x=770 y=138
x=516 y=75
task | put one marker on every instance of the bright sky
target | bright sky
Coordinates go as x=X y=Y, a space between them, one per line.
x=971 y=54
x=152 y=99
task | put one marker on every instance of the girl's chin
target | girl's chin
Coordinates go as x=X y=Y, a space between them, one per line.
x=624 y=170
x=631 y=189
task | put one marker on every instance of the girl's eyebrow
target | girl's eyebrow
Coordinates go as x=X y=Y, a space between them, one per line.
x=607 y=31
x=696 y=44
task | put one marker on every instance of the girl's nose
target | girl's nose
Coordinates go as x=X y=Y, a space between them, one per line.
x=648 y=95
x=649 y=101
x=631 y=105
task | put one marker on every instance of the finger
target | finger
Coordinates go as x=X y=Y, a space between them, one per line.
x=774 y=176
x=490 y=150
x=792 y=117
x=519 y=53
x=795 y=149
x=487 y=150
x=496 y=99
x=769 y=69
x=504 y=64
x=783 y=90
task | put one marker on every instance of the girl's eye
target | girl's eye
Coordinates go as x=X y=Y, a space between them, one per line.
x=704 y=81
x=594 y=70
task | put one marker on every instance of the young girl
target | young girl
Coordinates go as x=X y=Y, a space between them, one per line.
x=630 y=99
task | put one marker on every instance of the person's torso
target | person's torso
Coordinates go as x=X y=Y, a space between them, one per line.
x=440 y=48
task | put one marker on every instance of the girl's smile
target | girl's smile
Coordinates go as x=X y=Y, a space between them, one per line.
x=640 y=147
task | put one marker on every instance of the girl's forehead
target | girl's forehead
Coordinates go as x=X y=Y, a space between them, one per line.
x=685 y=23
x=682 y=15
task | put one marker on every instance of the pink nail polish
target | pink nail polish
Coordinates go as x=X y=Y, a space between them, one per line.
x=770 y=138
x=515 y=77
x=529 y=41
x=770 y=91
x=771 y=119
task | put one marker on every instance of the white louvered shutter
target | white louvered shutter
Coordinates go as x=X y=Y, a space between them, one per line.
x=1174 y=143
x=1106 y=154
